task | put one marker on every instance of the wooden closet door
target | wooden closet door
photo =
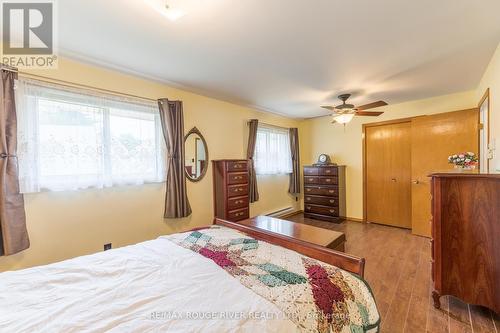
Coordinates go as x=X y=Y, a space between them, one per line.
x=388 y=174
x=434 y=138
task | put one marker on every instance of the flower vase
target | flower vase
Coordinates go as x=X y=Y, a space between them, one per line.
x=465 y=168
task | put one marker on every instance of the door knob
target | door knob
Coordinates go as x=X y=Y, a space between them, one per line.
x=415 y=181
x=393 y=179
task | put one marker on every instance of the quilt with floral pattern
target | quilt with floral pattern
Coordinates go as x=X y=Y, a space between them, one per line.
x=316 y=296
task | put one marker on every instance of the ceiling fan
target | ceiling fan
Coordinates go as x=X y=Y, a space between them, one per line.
x=344 y=113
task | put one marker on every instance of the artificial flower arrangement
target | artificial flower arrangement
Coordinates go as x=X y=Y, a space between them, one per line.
x=465 y=160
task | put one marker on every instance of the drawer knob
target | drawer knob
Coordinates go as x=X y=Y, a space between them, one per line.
x=332 y=211
x=308 y=199
x=332 y=201
x=331 y=191
x=328 y=180
x=327 y=171
x=308 y=190
x=308 y=207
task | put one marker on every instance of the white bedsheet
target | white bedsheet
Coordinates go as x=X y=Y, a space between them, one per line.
x=155 y=286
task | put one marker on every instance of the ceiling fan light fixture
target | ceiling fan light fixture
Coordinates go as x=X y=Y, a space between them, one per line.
x=344 y=118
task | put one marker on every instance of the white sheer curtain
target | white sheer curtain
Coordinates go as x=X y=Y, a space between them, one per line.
x=272 y=151
x=70 y=139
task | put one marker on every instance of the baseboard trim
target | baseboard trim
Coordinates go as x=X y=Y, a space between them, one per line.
x=297 y=212
x=355 y=219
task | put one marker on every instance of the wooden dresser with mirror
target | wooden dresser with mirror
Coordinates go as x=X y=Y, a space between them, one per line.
x=230 y=179
x=324 y=192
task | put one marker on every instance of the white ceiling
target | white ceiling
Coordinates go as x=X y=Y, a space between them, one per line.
x=290 y=56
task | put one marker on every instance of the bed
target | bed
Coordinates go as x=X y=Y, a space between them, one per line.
x=222 y=278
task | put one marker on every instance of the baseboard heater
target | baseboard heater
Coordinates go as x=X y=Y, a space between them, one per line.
x=281 y=212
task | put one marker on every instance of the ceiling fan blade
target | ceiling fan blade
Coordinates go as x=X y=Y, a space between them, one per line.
x=371 y=105
x=328 y=107
x=368 y=113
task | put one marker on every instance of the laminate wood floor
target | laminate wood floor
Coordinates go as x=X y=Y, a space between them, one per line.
x=399 y=271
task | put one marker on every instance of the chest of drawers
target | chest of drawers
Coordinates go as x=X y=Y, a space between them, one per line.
x=465 y=243
x=324 y=193
x=230 y=179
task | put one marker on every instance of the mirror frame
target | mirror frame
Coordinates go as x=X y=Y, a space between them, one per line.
x=196 y=131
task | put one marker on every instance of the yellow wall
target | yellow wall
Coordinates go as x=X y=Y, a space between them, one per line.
x=67 y=224
x=491 y=79
x=62 y=225
x=344 y=145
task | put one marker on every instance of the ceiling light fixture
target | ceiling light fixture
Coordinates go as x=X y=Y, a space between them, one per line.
x=173 y=14
x=344 y=118
x=169 y=9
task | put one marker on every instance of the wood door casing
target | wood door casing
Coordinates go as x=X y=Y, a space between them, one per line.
x=388 y=174
x=433 y=139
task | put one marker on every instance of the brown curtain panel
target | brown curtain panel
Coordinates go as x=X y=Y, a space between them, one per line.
x=172 y=123
x=253 y=192
x=294 y=187
x=14 y=236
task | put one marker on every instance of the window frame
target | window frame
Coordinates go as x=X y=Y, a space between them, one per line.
x=104 y=105
x=271 y=129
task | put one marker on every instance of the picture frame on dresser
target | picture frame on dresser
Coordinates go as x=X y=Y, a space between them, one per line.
x=324 y=192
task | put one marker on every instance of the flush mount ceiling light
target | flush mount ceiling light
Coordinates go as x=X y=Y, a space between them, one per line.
x=170 y=9
x=173 y=14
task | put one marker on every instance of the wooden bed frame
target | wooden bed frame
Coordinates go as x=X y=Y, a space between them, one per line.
x=344 y=261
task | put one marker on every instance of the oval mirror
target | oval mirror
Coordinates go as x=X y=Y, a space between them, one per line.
x=196 y=155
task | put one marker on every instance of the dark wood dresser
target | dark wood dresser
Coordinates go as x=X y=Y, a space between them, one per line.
x=324 y=193
x=230 y=179
x=466 y=238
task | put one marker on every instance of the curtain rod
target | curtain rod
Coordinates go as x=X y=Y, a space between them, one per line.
x=269 y=125
x=8 y=68
x=79 y=85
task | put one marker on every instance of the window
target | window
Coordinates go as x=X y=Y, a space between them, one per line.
x=272 y=151
x=71 y=139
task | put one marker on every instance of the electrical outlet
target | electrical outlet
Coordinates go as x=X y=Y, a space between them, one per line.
x=107 y=246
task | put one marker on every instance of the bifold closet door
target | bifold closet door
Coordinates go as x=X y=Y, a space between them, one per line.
x=434 y=138
x=388 y=174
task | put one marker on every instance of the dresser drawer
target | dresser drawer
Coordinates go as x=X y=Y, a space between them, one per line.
x=327 y=171
x=239 y=214
x=311 y=180
x=322 y=190
x=331 y=211
x=237 y=178
x=310 y=171
x=237 y=166
x=319 y=200
x=237 y=202
x=237 y=190
x=328 y=180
